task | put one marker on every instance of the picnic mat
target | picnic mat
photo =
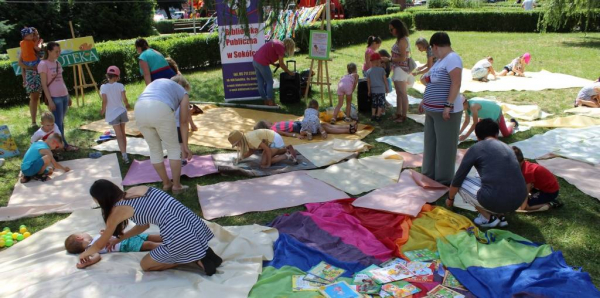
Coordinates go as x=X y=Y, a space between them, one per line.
x=502 y=264
x=262 y=194
x=141 y=172
x=324 y=153
x=137 y=146
x=101 y=126
x=582 y=175
x=39 y=266
x=357 y=176
x=407 y=196
x=584 y=111
x=533 y=81
x=391 y=98
x=225 y=163
x=573 y=121
x=63 y=192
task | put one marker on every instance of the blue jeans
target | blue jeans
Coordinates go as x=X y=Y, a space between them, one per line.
x=264 y=76
x=62 y=105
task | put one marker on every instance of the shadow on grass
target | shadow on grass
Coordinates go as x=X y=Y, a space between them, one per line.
x=586 y=42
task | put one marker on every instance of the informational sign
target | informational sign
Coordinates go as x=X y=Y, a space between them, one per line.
x=72 y=52
x=238 y=49
x=320 y=45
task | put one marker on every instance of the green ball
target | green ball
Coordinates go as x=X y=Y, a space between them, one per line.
x=8 y=243
x=22 y=226
x=6 y=229
x=20 y=237
x=8 y=236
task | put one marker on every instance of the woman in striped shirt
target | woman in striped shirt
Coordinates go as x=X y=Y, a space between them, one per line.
x=442 y=105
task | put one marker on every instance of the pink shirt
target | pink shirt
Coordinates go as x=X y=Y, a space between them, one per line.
x=368 y=53
x=285 y=126
x=53 y=70
x=269 y=52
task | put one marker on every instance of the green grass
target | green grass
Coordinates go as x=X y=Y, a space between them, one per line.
x=572 y=229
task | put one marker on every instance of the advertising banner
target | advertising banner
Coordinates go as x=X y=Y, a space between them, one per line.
x=237 y=49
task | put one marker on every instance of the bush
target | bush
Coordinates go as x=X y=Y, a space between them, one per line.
x=167 y=26
x=354 y=31
x=365 y=8
x=190 y=51
x=438 y=4
x=393 y=9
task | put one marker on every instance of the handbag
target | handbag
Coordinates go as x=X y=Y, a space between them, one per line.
x=48 y=85
x=411 y=64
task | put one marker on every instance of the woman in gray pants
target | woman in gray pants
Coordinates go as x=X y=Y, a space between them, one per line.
x=442 y=107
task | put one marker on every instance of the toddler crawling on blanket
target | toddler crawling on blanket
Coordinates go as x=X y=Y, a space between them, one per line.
x=78 y=243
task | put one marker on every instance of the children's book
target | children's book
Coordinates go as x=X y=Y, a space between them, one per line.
x=451 y=282
x=390 y=273
x=392 y=262
x=365 y=284
x=326 y=271
x=419 y=268
x=400 y=289
x=373 y=266
x=422 y=255
x=313 y=278
x=442 y=292
x=299 y=284
x=339 y=290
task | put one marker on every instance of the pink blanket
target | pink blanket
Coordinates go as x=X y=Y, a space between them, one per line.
x=143 y=172
x=416 y=160
x=580 y=174
x=263 y=194
x=407 y=196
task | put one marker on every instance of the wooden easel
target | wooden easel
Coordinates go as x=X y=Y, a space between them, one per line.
x=320 y=80
x=79 y=83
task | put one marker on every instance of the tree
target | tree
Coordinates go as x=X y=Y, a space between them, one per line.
x=167 y=4
x=560 y=12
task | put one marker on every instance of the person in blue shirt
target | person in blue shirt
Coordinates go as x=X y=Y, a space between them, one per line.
x=38 y=162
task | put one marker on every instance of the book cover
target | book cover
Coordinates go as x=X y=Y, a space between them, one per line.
x=313 y=278
x=365 y=284
x=422 y=255
x=400 y=289
x=420 y=268
x=392 y=262
x=443 y=292
x=339 y=290
x=299 y=284
x=326 y=271
x=451 y=282
x=390 y=274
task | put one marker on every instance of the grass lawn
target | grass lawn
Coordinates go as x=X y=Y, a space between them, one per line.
x=572 y=229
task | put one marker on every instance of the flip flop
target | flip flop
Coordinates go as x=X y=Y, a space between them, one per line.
x=181 y=190
x=95 y=155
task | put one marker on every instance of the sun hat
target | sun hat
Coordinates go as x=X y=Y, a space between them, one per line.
x=375 y=56
x=527 y=57
x=113 y=70
x=236 y=138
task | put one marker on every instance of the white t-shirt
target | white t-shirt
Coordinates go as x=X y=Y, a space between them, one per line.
x=42 y=135
x=528 y=4
x=436 y=92
x=587 y=92
x=103 y=251
x=114 y=102
x=483 y=63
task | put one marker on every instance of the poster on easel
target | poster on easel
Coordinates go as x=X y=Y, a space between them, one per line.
x=238 y=49
x=72 y=52
x=320 y=45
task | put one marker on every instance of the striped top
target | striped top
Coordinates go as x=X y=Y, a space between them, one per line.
x=185 y=236
x=396 y=54
x=437 y=91
x=285 y=126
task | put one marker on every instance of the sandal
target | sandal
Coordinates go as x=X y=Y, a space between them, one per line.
x=71 y=148
x=25 y=179
x=309 y=136
x=292 y=152
x=352 y=128
x=348 y=119
x=333 y=121
x=515 y=122
x=181 y=190
x=324 y=134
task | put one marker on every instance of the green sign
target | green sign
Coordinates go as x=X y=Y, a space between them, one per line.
x=320 y=44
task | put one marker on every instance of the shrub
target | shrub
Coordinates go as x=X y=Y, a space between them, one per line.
x=438 y=4
x=364 y=8
x=393 y=9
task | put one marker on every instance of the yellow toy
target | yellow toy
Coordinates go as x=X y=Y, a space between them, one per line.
x=22 y=229
x=14 y=236
x=26 y=234
x=2 y=243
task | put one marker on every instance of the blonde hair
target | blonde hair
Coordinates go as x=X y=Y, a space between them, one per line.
x=73 y=246
x=179 y=79
x=290 y=47
x=48 y=116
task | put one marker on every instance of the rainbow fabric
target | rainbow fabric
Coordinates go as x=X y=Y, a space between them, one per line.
x=353 y=238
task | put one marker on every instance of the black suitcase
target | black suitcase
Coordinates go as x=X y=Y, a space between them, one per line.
x=289 y=86
x=364 y=100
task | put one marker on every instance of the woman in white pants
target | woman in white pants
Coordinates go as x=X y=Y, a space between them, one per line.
x=155 y=117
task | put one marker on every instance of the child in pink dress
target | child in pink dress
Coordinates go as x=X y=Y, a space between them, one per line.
x=373 y=44
x=346 y=88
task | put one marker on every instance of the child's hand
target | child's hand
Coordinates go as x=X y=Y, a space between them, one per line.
x=449 y=203
x=127 y=106
x=102 y=112
x=421 y=109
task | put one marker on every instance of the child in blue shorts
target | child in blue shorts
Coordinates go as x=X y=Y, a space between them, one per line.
x=78 y=243
x=38 y=162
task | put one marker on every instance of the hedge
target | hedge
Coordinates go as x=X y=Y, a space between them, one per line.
x=496 y=21
x=393 y=9
x=167 y=26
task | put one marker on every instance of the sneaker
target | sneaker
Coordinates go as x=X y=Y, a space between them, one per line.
x=503 y=223
x=126 y=160
x=486 y=223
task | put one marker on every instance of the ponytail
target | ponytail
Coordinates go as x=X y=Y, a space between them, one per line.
x=373 y=39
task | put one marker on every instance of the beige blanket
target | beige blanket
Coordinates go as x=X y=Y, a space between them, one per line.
x=573 y=121
x=407 y=196
x=584 y=111
x=533 y=81
x=582 y=175
x=332 y=151
x=263 y=194
x=63 y=192
x=40 y=267
x=357 y=176
x=101 y=126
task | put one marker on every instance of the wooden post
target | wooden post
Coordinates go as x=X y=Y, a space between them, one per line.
x=320 y=73
x=78 y=75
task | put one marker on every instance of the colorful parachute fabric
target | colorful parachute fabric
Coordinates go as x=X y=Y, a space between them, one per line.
x=354 y=238
x=288 y=21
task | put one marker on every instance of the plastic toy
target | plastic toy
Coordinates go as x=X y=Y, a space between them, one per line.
x=14 y=235
x=9 y=243
x=22 y=229
x=26 y=234
x=20 y=237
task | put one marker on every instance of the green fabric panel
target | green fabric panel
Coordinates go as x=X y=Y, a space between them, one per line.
x=277 y=283
x=489 y=109
x=463 y=250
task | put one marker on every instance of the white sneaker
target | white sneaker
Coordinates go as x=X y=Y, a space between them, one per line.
x=487 y=223
x=503 y=223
